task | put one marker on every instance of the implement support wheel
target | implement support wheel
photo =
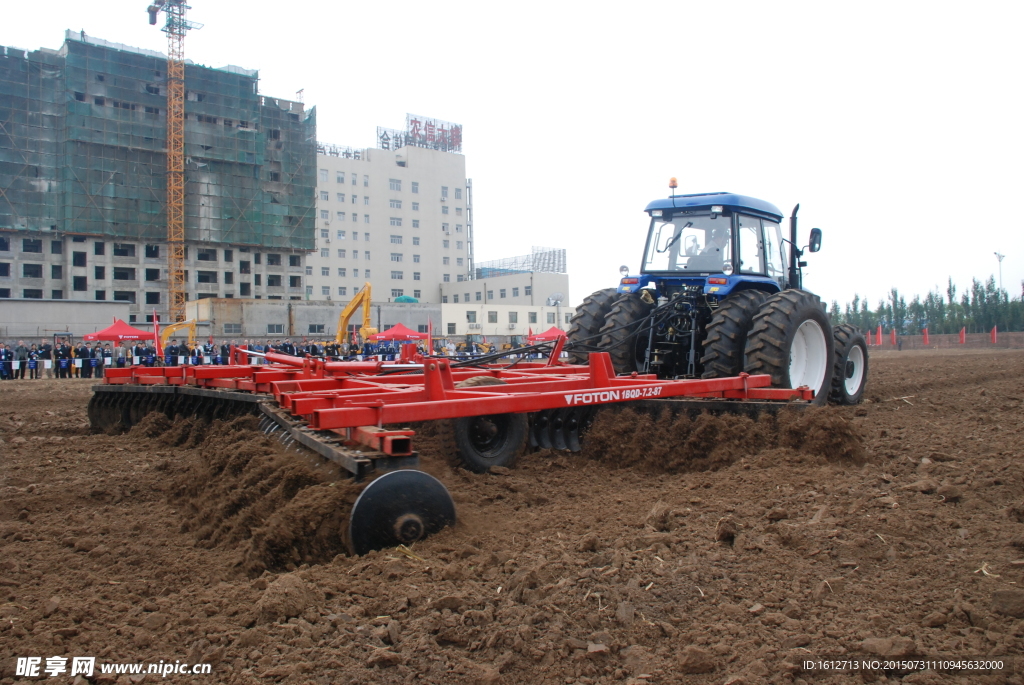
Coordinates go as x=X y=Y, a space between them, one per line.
x=485 y=441
x=851 y=369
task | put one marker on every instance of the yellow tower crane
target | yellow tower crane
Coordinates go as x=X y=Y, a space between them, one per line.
x=175 y=26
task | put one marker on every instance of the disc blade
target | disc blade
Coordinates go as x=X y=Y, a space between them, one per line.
x=399 y=508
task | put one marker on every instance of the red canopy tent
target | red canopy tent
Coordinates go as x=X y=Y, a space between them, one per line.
x=119 y=332
x=552 y=333
x=399 y=332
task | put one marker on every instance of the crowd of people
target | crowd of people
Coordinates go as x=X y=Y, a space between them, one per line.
x=61 y=359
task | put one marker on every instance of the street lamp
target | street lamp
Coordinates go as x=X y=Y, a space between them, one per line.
x=1000 y=258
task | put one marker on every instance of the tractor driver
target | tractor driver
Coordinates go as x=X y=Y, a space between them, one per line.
x=712 y=257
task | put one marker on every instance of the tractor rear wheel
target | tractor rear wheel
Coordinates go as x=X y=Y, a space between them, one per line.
x=792 y=341
x=623 y=336
x=586 y=323
x=485 y=441
x=726 y=338
x=851 y=367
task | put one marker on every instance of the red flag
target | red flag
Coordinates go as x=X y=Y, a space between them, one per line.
x=995 y=335
x=430 y=336
x=925 y=335
x=963 y=335
x=156 y=335
x=531 y=331
x=879 y=340
x=892 y=336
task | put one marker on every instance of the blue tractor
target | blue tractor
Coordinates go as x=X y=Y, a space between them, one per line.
x=719 y=292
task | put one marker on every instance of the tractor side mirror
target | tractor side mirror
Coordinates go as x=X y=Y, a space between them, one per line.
x=815 y=243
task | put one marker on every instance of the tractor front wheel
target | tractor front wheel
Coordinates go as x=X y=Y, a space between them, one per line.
x=851 y=367
x=586 y=323
x=791 y=340
x=727 y=334
x=485 y=441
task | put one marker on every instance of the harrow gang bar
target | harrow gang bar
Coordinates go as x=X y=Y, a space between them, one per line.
x=349 y=395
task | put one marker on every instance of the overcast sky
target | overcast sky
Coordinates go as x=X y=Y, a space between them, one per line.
x=896 y=126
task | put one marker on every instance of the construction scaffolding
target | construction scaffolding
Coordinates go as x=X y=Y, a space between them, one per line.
x=549 y=260
x=83 y=149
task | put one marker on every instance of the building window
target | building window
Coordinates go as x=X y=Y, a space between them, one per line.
x=309 y=271
x=316 y=328
x=341 y=253
x=446 y=261
x=243 y=267
x=232 y=329
x=153 y=298
x=415 y=275
x=478 y=298
x=79 y=284
x=460 y=278
x=257 y=256
x=396 y=256
x=515 y=292
x=395 y=204
x=341 y=272
x=124 y=296
x=32 y=294
x=396 y=240
x=325 y=271
x=5 y=270
x=32 y=245
x=416 y=294
x=341 y=235
x=207 y=255
x=324 y=195
x=458 y=244
x=394 y=184
x=415 y=206
x=5 y=244
x=366 y=181
x=272 y=260
x=153 y=252
x=32 y=270
x=397 y=275
x=296 y=260
x=490 y=294
x=325 y=290
x=446 y=244
x=444 y=191
x=396 y=221
x=201 y=276
x=567 y=317
x=532 y=316
x=245 y=289
x=56 y=247
x=513 y=317
x=151 y=274
x=458 y=211
x=273 y=281
x=415 y=240
x=455 y=299
x=501 y=293
x=551 y=317
x=323 y=175
x=528 y=290
x=56 y=271
x=342 y=291
x=341 y=217
x=325 y=214
x=458 y=193
x=56 y=294
x=366 y=218
x=229 y=256
x=415 y=259
x=415 y=223
x=355 y=179
x=258 y=279
x=340 y=178
x=458 y=228
x=366 y=254
x=309 y=290
x=295 y=281
x=275 y=328
x=325 y=233
x=415 y=187
x=366 y=273
x=229 y=277
x=447 y=278
x=470 y=316
x=99 y=249
x=125 y=274
x=325 y=252
x=492 y=317
x=101 y=294
x=125 y=250
x=444 y=209
x=77 y=259
x=397 y=292
x=355 y=217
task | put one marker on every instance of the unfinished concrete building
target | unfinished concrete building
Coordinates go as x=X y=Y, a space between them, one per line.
x=82 y=179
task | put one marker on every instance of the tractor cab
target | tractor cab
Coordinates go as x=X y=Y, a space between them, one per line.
x=730 y=238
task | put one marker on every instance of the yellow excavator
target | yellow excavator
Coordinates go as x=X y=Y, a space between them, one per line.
x=170 y=329
x=362 y=299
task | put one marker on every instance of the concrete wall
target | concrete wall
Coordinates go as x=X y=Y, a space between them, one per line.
x=528 y=288
x=21 y=318
x=510 y=319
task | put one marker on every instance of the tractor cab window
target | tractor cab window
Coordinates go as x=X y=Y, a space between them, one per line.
x=774 y=252
x=689 y=242
x=751 y=246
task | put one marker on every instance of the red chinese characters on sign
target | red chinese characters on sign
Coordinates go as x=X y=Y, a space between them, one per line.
x=432 y=133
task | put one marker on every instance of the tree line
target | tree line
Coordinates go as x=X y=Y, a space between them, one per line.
x=977 y=309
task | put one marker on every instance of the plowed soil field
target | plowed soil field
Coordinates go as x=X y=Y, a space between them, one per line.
x=717 y=550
